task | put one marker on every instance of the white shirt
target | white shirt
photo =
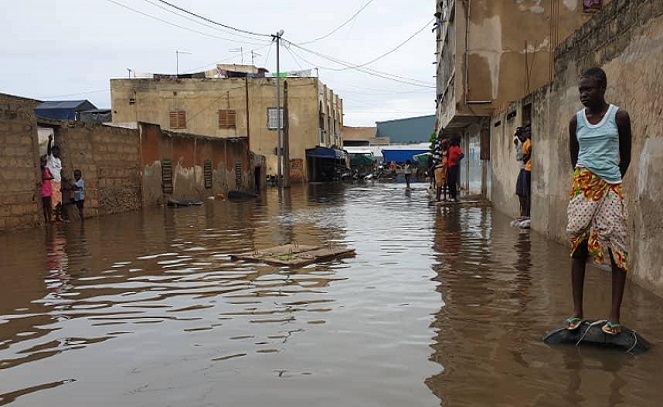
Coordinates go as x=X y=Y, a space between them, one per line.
x=54 y=164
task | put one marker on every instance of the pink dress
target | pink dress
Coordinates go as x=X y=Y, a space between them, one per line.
x=46 y=186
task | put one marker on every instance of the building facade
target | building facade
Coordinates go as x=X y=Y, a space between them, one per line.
x=409 y=130
x=231 y=107
x=491 y=53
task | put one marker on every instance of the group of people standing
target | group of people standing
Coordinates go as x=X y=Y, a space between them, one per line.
x=446 y=158
x=54 y=186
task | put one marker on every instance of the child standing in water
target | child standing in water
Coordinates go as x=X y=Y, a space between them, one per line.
x=79 y=192
x=46 y=189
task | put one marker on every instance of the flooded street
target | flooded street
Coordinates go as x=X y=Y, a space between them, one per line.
x=438 y=307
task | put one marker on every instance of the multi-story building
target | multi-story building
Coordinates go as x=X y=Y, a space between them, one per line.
x=489 y=54
x=238 y=104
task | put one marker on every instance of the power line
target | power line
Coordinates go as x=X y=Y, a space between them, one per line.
x=340 y=26
x=391 y=51
x=173 y=24
x=268 y=52
x=212 y=21
x=368 y=71
x=294 y=58
x=74 y=94
x=195 y=20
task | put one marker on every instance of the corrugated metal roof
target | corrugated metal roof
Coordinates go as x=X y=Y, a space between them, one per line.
x=66 y=104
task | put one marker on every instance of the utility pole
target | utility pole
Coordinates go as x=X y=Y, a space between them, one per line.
x=286 y=138
x=248 y=125
x=277 y=37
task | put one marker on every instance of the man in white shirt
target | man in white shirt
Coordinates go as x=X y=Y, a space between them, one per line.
x=54 y=164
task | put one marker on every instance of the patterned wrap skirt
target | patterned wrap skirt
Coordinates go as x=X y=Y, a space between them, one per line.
x=596 y=214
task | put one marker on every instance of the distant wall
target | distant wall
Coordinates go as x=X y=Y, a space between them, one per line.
x=230 y=165
x=409 y=130
x=20 y=175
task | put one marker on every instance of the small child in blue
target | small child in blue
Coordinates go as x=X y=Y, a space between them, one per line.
x=79 y=192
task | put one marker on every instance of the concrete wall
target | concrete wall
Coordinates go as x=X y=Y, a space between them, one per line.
x=108 y=158
x=188 y=155
x=311 y=104
x=508 y=45
x=626 y=39
x=20 y=176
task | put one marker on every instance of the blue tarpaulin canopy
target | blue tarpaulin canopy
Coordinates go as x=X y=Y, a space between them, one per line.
x=324 y=152
x=400 y=156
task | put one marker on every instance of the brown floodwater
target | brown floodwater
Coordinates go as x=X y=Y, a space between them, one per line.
x=438 y=307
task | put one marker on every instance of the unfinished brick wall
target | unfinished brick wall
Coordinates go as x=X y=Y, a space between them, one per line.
x=109 y=158
x=20 y=176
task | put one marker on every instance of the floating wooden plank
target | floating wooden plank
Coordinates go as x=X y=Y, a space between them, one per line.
x=590 y=333
x=294 y=255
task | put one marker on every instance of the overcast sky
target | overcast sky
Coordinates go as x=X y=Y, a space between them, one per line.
x=70 y=49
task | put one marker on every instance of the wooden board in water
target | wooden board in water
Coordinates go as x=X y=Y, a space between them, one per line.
x=293 y=256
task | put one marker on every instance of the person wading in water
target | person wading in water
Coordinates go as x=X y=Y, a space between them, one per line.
x=600 y=146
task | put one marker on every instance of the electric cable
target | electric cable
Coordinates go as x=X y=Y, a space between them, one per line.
x=196 y=21
x=177 y=25
x=391 y=51
x=209 y=20
x=368 y=71
x=340 y=26
x=74 y=94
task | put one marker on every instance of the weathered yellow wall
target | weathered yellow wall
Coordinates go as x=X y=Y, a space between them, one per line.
x=203 y=98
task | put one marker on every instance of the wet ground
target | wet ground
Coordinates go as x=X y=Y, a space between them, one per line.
x=440 y=306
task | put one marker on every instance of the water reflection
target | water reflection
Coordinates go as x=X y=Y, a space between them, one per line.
x=441 y=305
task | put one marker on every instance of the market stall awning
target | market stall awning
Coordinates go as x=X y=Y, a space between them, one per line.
x=324 y=152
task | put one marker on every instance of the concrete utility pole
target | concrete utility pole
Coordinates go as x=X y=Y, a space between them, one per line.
x=277 y=37
x=286 y=138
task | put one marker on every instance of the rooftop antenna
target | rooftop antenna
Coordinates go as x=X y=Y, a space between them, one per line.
x=241 y=52
x=177 y=58
x=253 y=57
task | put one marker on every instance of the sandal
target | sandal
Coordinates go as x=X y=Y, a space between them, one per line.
x=573 y=323
x=612 y=328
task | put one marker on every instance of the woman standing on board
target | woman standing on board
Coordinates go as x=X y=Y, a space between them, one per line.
x=600 y=147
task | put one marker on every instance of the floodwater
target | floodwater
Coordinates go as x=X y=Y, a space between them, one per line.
x=438 y=307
